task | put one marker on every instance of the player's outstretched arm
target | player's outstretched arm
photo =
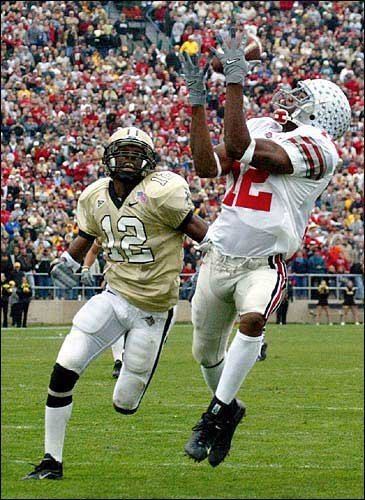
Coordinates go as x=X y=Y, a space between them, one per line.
x=206 y=163
x=261 y=153
x=201 y=147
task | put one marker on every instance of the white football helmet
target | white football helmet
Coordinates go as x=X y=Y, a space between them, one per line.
x=319 y=103
x=129 y=154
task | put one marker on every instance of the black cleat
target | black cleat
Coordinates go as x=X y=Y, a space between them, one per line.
x=262 y=356
x=222 y=444
x=116 y=368
x=204 y=435
x=49 y=468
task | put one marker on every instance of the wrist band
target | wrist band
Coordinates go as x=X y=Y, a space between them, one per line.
x=248 y=154
x=70 y=261
x=219 y=166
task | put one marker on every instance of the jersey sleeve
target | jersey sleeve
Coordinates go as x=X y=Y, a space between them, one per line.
x=311 y=156
x=85 y=217
x=173 y=202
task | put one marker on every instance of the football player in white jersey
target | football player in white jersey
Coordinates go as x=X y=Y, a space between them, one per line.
x=140 y=215
x=276 y=169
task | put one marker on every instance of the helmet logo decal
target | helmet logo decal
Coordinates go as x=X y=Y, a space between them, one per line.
x=320 y=103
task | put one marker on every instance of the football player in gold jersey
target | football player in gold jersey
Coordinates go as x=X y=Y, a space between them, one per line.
x=140 y=215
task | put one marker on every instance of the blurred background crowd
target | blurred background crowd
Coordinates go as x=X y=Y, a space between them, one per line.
x=74 y=71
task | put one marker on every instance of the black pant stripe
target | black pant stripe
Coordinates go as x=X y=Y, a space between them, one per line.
x=274 y=266
x=272 y=296
x=163 y=339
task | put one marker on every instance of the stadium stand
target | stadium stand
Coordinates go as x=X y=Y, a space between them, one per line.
x=74 y=71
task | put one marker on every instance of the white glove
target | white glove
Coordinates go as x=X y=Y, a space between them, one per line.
x=63 y=269
x=86 y=278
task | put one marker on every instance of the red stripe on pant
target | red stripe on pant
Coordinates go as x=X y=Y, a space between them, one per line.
x=275 y=302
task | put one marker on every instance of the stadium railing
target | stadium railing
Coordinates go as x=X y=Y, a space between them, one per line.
x=304 y=286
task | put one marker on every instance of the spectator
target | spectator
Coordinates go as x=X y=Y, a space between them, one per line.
x=15 y=305
x=349 y=303
x=177 y=30
x=17 y=274
x=299 y=265
x=53 y=70
x=27 y=261
x=25 y=296
x=6 y=291
x=357 y=268
x=322 y=305
x=191 y=46
x=172 y=59
x=316 y=265
x=6 y=265
x=282 y=310
x=43 y=267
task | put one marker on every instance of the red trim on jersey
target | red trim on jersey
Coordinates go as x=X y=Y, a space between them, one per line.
x=315 y=161
x=321 y=160
x=307 y=154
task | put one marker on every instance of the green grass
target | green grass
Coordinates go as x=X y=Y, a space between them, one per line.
x=302 y=438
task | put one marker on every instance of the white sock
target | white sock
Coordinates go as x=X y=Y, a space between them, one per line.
x=212 y=375
x=55 y=427
x=240 y=358
x=118 y=348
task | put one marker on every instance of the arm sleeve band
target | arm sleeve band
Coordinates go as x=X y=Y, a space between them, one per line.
x=71 y=261
x=248 y=154
x=186 y=221
x=87 y=236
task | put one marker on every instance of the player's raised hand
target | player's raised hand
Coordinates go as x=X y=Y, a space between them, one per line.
x=194 y=77
x=232 y=56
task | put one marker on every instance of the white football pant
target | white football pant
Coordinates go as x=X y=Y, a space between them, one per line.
x=103 y=320
x=228 y=286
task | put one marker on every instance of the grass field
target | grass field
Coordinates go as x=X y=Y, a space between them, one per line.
x=302 y=438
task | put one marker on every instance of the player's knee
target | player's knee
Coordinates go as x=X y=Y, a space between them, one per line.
x=205 y=355
x=61 y=386
x=252 y=324
x=140 y=356
x=128 y=393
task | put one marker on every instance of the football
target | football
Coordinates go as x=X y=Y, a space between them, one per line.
x=253 y=51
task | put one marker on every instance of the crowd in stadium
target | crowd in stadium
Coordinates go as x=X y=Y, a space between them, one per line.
x=72 y=73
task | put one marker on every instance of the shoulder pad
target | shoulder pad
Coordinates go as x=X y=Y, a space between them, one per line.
x=161 y=184
x=95 y=187
x=265 y=123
